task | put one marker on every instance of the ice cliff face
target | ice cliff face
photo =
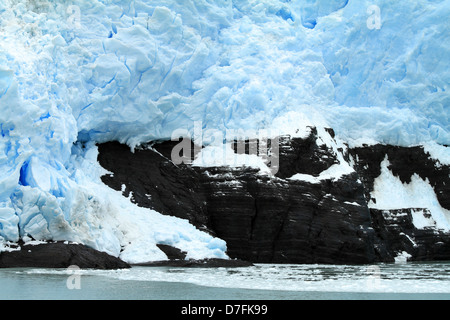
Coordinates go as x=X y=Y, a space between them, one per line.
x=74 y=73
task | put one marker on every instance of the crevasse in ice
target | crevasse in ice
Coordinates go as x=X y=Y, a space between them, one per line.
x=74 y=73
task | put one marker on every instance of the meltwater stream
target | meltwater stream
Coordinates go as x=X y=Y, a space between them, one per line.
x=260 y=282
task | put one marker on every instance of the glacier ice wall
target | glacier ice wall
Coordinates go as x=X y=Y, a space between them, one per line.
x=73 y=73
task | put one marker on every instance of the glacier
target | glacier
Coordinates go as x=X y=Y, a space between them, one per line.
x=76 y=73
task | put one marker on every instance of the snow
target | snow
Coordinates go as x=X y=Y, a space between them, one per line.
x=422 y=220
x=335 y=172
x=438 y=152
x=391 y=193
x=305 y=177
x=127 y=230
x=224 y=156
x=72 y=75
x=402 y=257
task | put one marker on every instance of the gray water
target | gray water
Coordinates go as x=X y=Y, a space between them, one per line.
x=261 y=282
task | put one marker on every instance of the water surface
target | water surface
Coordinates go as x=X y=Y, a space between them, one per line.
x=260 y=282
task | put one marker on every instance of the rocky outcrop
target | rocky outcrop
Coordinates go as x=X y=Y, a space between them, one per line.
x=59 y=255
x=177 y=258
x=276 y=219
x=155 y=182
x=395 y=229
x=304 y=155
x=172 y=253
x=404 y=163
x=265 y=219
x=397 y=235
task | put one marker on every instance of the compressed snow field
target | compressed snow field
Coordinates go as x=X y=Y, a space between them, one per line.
x=73 y=73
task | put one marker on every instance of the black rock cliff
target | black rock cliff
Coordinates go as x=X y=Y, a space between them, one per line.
x=275 y=219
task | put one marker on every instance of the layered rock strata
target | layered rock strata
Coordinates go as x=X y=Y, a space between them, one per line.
x=298 y=215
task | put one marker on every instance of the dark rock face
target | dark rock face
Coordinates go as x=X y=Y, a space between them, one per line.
x=303 y=156
x=177 y=258
x=396 y=233
x=404 y=163
x=171 y=252
x=155 y=182
x=59 y=255
x=273 y=219
x=395 y=228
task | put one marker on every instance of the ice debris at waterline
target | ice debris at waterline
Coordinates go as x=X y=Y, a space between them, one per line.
x=72 y=75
